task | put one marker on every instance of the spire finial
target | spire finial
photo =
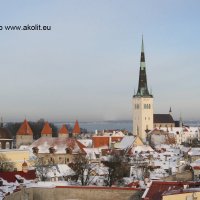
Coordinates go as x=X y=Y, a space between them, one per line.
x=170 y=110
x=142 y=49
x=142 y=59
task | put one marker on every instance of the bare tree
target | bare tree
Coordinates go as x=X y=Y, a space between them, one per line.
x=116 y=169
x=42 y=167
x=82 y=167
x=6 y=164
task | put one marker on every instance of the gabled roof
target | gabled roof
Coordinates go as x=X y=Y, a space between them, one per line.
x=81 y=145
x=25 y=129
x=162 y=118
x=76 y=129
x=126 y=142
x=46 y=129
x=63 y=130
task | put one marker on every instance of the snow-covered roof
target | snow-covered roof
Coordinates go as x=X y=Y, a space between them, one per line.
x=86 y=142
x=174 y=130
x=65 y=170
x=194 y=152
x=142 y=148
x=195 y=163
x=126 y=142
x=59 y=144
x=91 y=152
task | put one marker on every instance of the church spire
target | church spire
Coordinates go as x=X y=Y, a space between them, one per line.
x=142 y=85
x=142 y=58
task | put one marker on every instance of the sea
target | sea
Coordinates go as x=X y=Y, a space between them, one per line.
x=116 y=125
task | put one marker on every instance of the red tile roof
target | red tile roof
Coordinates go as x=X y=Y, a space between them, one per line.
x=157 y=188
x=63 y=130
x=76 y=129
x=10 y=176
x=25 y=129
x=196 y=167
x=81 y=146
x=46 y=129
x=100 y=141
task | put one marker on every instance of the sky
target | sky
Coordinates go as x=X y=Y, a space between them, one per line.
x=87 y=66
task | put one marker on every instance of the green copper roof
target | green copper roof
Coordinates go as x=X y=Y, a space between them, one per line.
x=142 y=85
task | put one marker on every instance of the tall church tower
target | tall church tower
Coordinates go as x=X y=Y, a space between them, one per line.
x=142 y=103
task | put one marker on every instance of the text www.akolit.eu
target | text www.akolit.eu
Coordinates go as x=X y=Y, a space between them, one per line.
x=36 y=27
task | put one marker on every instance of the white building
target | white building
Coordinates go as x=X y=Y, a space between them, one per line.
x=183 y=134
x=142 y=103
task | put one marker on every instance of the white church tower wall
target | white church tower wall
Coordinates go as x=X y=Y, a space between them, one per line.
x=142 y=104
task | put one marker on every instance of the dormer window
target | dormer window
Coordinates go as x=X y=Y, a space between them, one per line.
x=52 y=150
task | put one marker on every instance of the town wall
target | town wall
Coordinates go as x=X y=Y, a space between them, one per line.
x=184 y=176
x=76 y=193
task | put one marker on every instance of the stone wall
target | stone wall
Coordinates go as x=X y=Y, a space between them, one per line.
x=184 y=176
x=23 y=140
x=76 y=193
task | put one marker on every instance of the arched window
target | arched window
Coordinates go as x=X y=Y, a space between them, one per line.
x=137 y=130
x=149 y=106
x=145 y=106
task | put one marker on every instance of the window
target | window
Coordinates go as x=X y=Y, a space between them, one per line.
x=68 y=151
x=145 y=106
x=137 y=130
x=149 y=106
x=7 y=145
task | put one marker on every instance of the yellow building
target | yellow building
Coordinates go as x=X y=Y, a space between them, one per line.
x=16 y=156
x=187 y=194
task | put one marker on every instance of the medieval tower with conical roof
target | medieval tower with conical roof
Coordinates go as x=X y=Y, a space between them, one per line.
x=142 y=103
